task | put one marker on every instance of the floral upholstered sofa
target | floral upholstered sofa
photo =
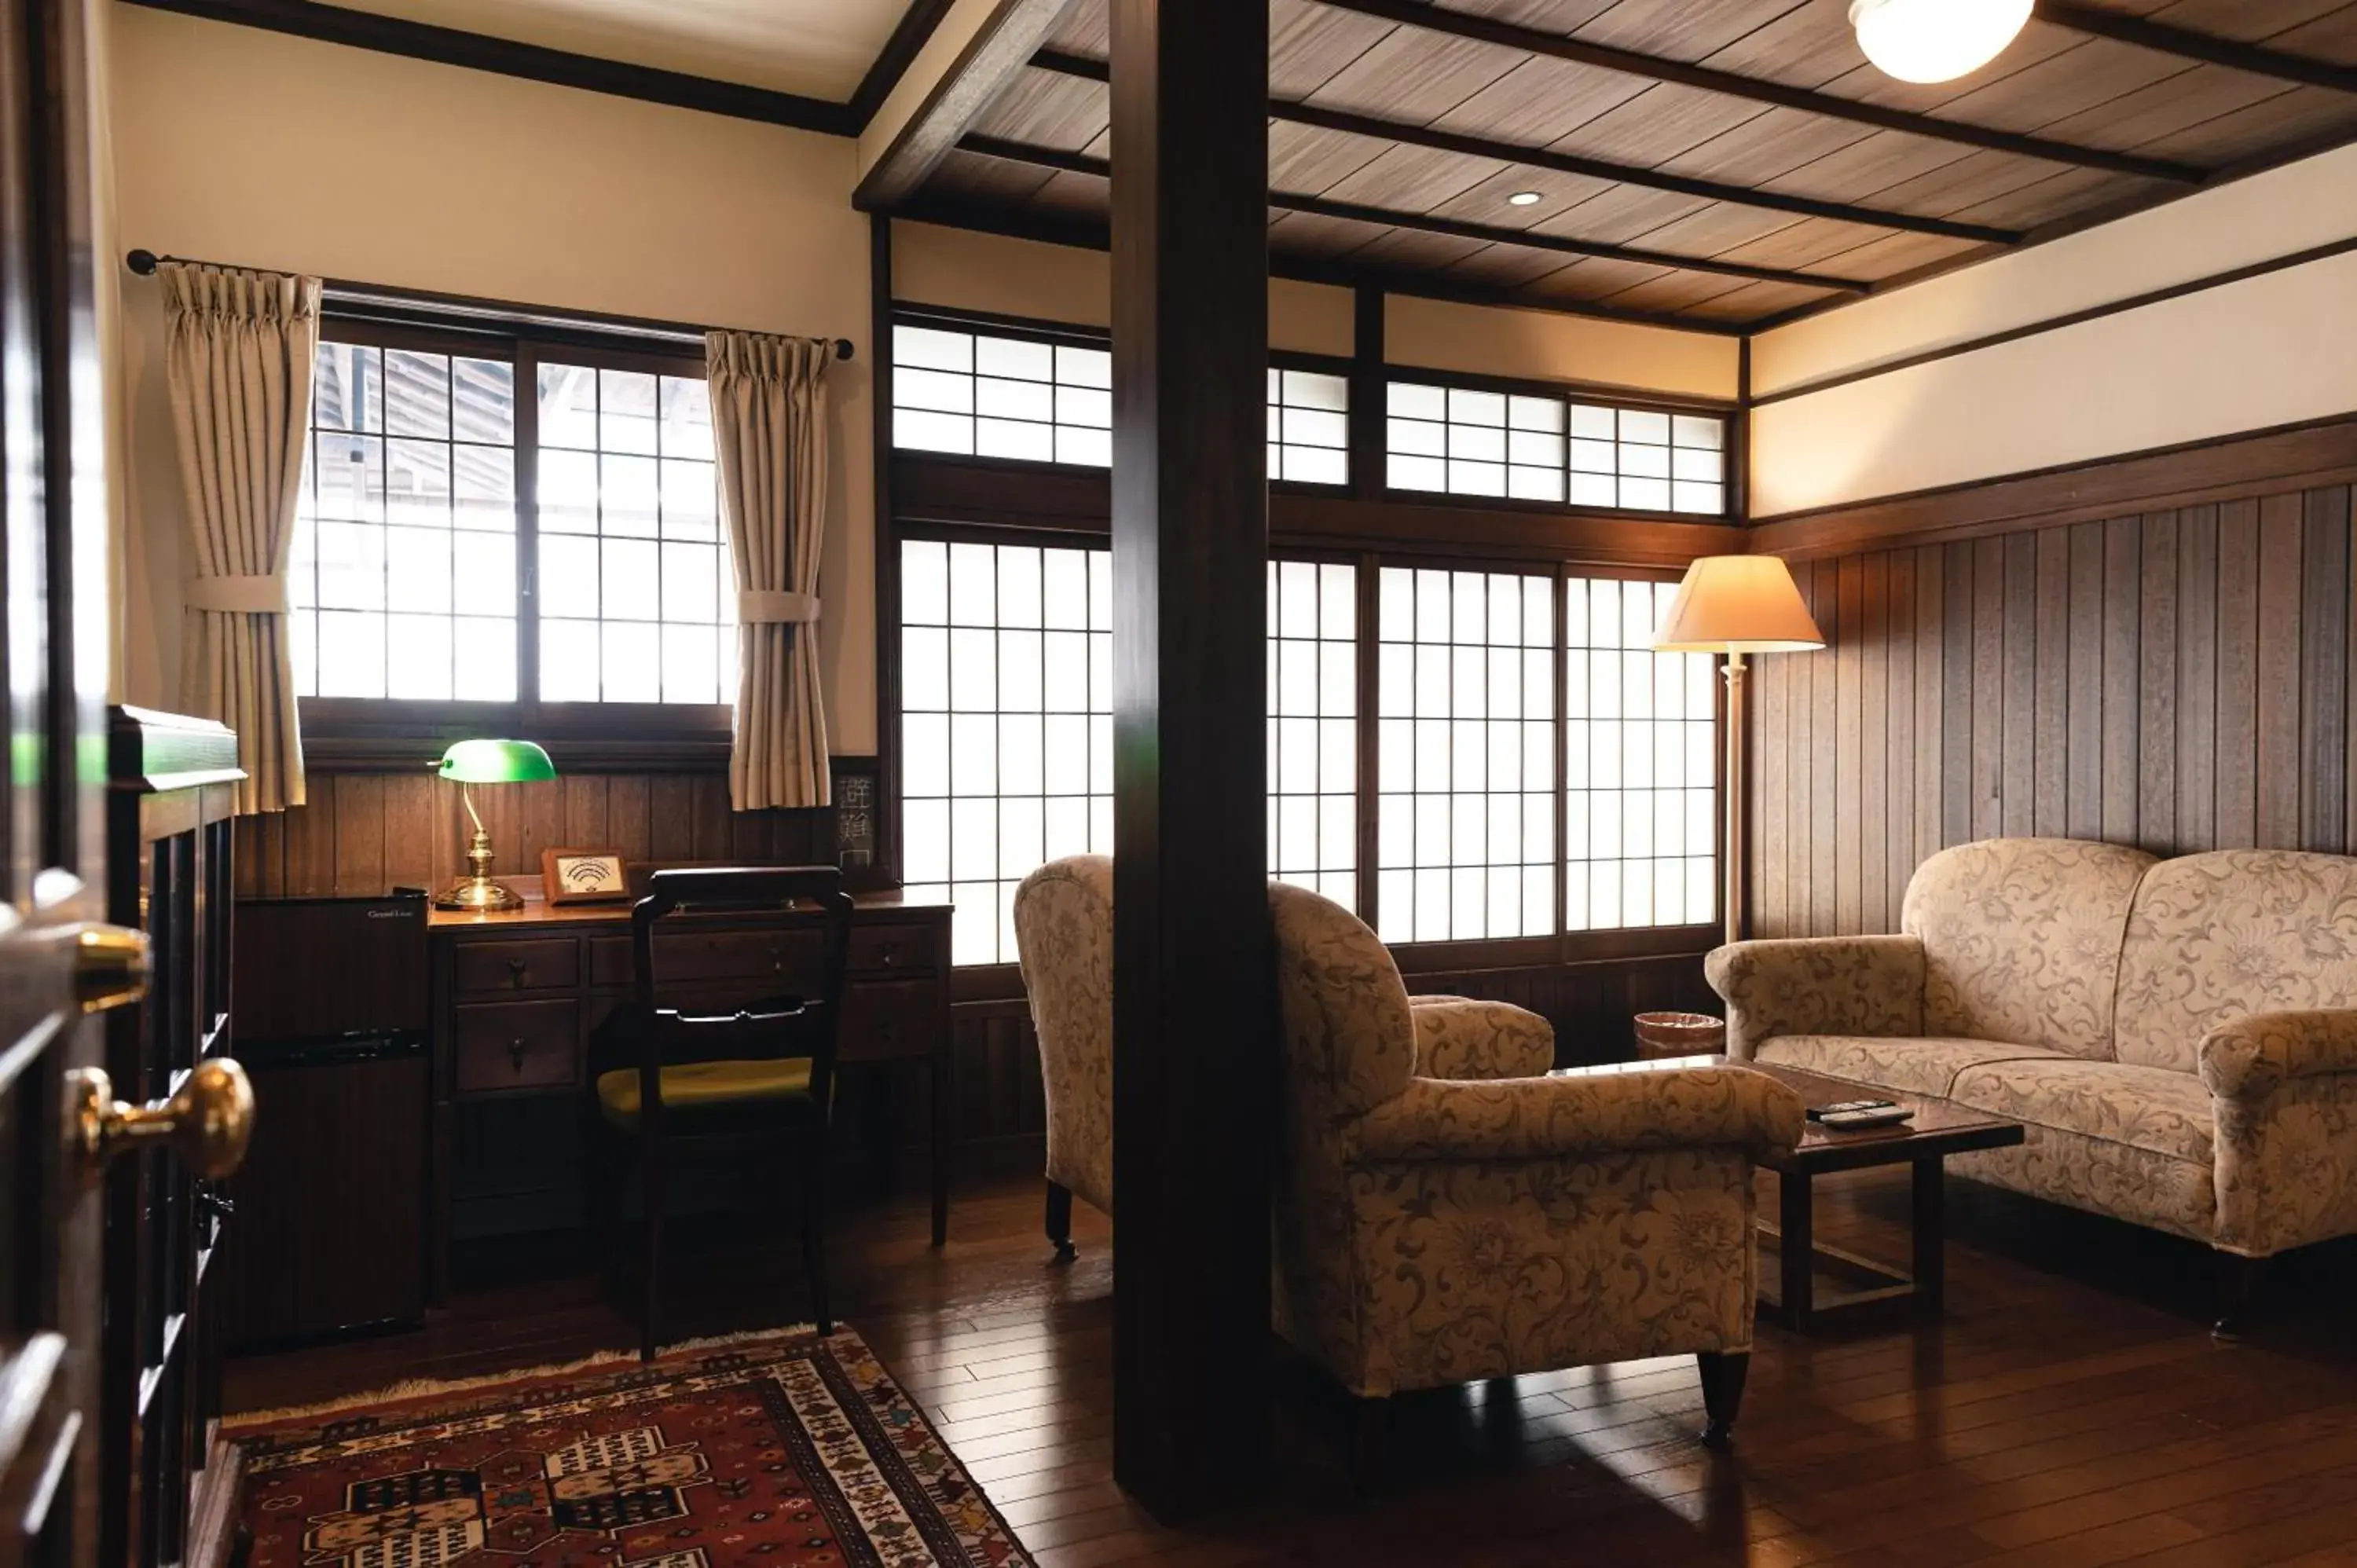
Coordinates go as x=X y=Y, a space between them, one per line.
x=2179 y=1036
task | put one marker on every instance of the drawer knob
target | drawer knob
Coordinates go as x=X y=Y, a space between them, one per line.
x=515 y=1054
x=776 y=960
x=891 y=954
x=515 y=972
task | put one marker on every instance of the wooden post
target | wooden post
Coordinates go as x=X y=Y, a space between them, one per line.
x=1194 y=1009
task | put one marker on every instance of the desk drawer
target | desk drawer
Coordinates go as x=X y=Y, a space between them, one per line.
x=542 y=963
x=517 y=1045
x=883 y=949
x=789 y=958
x=889 y=1020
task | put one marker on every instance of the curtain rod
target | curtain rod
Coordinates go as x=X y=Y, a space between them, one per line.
x=145 y=262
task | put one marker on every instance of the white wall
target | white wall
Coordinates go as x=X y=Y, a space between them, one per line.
x=240 y=145
x=2267 y=351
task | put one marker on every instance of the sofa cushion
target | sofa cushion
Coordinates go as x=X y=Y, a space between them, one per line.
x=2154 y=1109
x=2214 y=937
x=1900 y=1062
x=2021 y=940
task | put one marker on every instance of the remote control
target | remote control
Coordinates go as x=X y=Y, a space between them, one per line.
x=1856 y=1121
x=1819 y=1113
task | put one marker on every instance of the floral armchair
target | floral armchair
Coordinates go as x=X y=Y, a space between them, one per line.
x=1446 y=1212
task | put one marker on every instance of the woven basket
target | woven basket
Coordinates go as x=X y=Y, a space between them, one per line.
x=1680 y=1035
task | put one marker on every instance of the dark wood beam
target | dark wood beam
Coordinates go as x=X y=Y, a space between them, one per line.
x=1657 y=67
x=2097 y=21
x=1425 y=223
x=1008 y=37
x=916 y=25
x=1194 y=996
x=1380 y=129
x=504 y=56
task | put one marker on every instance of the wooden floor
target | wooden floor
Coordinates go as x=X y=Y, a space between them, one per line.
x=2072 y=1411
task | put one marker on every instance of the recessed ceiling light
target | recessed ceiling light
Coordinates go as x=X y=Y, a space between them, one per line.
x=1523 y=198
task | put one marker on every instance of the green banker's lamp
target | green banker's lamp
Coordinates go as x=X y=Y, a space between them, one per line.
x=471 y=762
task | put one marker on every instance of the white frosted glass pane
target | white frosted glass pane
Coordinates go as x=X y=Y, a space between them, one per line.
x=1594 y=456
x=1505 y=609
x=1506 y=696
x=1641 y=425
x=1314 y=465
x=1467 y=406
x=973 y=838
x=1698 y=430
x=1395 y=829
x=1014 y=356
x=1275 y=384
x=628 y=499
x=423 y=670
x=1028 y=401
x=1065 y=664
x=1647 y=462
x=1084 y=367
x=933 y=390
x=1338 y=679
x=974 y=670
x=632 y=671
x=1577 y=740
x=974 y=593
x=1432 y=845
x=1316 y=389
x=1395 y=679
x=1022 y=842
x=925 y=841
x=1543 y=414
x=482 y=570
x=1535 y=484
x=691 y=578
x=1669 y=754
x=1338 y=833
x=1297 y=676
x=1538 y=683
x=1538 y=900
x=1636 y=755
x=1605 y=824
x=925 y=755
x=1468 y=607
x=691 y=506
x=1022 y=763
x=1505 y=831
x=686 y=418
x=1067 y=827
x=348 y=387
x=1477 y=443
x=1538 y=612
x=974 y=923
x=1704 y=499
x=1505 y=742
x=483 y=658
x=1101 y=672
x=1576 y=678
x=568 y=660
x=1065 y=588
x=1700 y=749
x=1578 y=823
x=1432 y=680
x=1020 y=672
x=927 y=346
x=1538 y=756
x=1084 y=407
x=417 y=484
x=627 y=410
x=1670 y=824
x=1603 y=896
x=1100 y=754
x=351 y=654
x=1101 y=824
x=482 y=483
x=1414 y=439
x=568 y=492
x=1505 y=911
x=1636 y=823
x=1604 y=686
x=1018 y=585
x=351 y=566
x=1294 y=843
x=690 y=664
x=1432 y=754
x=630 y=582
x=1589 y=420
x=1702 y=891
x=1577 y=913
x=417 y=569
x=1068 y=754
x=1701 y=821
x=1669 y=893
x=1431 y=918
x=1298 y=754
x=1477 y=478
x=1395 y=754
x=925 y=583
x=1538 y=828
x=1296 y=598
x=1100 y=590
x=1469 y=694
x=1605 y=767
x=1087 y=448
x=1636 y=893
x=1417 y=473
x=568 y=406
x=1468 y=903
x=1395 y=906
x=1396 y=604
x=1705 y=467
x=1645 y=495
x=915 y=431
x=1594 y=489
x=924 y=669
x=1338 y=598
x=1469 y=830
x=1416 y=400
x=1010 y=438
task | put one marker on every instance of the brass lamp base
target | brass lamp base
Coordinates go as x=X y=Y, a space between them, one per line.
x=478 y=893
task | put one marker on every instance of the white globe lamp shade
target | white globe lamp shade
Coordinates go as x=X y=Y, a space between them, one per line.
x=1935 y=40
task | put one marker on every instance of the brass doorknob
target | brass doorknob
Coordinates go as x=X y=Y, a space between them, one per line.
x=208 y=1124
x=109 y=964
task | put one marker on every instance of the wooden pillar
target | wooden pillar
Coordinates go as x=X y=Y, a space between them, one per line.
x=1194 y=1009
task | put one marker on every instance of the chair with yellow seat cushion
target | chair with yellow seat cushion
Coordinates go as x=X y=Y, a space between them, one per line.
x=755 y=1080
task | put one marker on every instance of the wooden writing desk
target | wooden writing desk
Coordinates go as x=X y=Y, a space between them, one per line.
x=516 y=994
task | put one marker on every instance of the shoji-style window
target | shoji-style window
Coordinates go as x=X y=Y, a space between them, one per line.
x=975 y=394
x=1005 y=724
x=633 y=565
x=1309 y=426
x=1313 y=730
x=1536 y=447
x=402 y=575
x=1466 y=738
x=1640 y=806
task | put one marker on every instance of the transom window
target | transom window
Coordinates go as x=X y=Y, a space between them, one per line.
x=1309 y=426
x=972 y=394
x=1534 y=446
x=417 y=573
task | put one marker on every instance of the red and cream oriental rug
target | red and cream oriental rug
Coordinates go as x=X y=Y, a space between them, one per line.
x=779 y=1451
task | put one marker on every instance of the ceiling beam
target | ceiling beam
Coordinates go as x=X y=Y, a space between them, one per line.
x=2097 y=21
x=1357 y=212
x=1592 y=169
x=938 y=97
x=884 y=72
x=1632 y=62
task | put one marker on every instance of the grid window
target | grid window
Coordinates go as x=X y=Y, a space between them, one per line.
x=1005 y=724
x=979 y=396
x=1460 y=441
x=1309 y=426
x=402 y=575
x=1641 y=832
x=634 y=574
x=1466 y=737
x=1313 y=732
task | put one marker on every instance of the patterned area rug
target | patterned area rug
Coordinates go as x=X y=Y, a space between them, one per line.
x=780 y=1451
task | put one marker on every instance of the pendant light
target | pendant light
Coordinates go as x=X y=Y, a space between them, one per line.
x=1935 y=40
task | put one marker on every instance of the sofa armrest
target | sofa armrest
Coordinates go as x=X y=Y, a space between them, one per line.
x=2252 y=1057
x=1538 y=1118
x=1463 y=1039
x=1817 y=985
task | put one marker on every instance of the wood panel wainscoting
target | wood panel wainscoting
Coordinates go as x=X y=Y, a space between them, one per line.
x=2156 y=651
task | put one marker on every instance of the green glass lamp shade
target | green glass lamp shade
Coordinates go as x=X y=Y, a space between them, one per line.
x=496 y=762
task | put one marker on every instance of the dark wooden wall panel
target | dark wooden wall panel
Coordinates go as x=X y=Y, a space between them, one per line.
x=2179 y=679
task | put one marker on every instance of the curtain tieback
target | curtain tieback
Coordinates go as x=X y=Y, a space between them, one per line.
x=757 y=607
x=239 y=596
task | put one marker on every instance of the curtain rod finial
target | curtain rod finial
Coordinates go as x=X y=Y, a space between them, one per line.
x=142 y=262
x=843 y=348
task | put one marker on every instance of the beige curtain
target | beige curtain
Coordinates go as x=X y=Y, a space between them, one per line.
x=237 y=358
x=769 y=425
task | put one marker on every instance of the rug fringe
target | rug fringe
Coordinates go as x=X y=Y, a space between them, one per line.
x=410 y=1390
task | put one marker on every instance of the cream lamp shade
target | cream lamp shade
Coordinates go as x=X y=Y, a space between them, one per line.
x=1738 y=604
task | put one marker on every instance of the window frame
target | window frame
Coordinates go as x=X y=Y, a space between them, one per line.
x=380 y=731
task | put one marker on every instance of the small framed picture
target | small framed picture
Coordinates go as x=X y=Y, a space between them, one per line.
x=583 y=876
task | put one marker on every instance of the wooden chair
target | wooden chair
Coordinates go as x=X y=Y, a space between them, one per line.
x=755 y=1080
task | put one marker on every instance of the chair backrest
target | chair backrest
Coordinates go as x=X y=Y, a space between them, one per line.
x=2021 y=940
x=2216 y=937
x=1350 y=1037
x=701 y=923
x=1063 y=934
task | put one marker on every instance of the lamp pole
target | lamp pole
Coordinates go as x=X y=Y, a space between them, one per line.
x=1731 y=852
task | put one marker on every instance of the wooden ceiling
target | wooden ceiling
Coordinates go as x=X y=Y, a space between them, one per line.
x=1717 y=163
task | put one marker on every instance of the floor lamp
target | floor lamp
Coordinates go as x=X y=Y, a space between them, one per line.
x=1735 y=605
